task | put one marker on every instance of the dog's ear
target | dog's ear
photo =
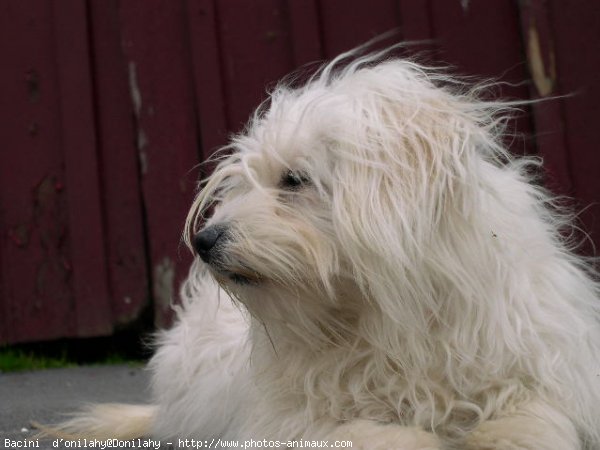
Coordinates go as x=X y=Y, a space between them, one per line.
x=392 y=176
x=398 y=176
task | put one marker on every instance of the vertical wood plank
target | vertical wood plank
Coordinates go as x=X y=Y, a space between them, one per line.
x=548 y=115
x=484 y=39
x=256 y=53
x=207 y=76
x=416 y=20
x=341 y=19
x=37 y=301
x=576 y=29
x=157 y=52
x=121 y=199
x=305 y=31
x=92 y=307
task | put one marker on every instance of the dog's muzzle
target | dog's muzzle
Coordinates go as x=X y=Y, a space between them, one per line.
x=211 y=246
x=208 y=243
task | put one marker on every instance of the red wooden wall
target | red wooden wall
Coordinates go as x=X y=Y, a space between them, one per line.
x=107 y=106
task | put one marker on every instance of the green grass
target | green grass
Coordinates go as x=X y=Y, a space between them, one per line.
x=13 y=360
x=123 y=347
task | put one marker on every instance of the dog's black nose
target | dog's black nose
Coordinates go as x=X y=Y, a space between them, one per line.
x=205 y=242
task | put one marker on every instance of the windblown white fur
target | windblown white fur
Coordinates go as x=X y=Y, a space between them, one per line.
x=410 y=288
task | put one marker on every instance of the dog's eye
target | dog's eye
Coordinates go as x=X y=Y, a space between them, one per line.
x=292 y=180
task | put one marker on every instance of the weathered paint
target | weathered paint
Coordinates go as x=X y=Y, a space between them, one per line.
x=136 y=98
x=35 y=256
x=164 y=283
x=575 y=27
x=82 y=172
x=124 y=232
x=544 y=78
x=550 y=136
x=108 y=104
x=155 y=39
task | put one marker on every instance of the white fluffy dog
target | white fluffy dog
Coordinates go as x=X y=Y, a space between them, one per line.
x=376 y=268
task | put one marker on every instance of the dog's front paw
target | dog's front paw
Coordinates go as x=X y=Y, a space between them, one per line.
x=368 y=435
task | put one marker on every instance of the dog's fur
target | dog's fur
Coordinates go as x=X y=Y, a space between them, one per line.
x=387 y=273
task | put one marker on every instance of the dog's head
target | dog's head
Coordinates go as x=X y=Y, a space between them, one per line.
x=345 y=181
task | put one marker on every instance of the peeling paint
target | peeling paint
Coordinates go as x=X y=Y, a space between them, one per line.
x=143 y=162
x=544 y=80
x=142 y=139
x=136 y=98
x=164 y=278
